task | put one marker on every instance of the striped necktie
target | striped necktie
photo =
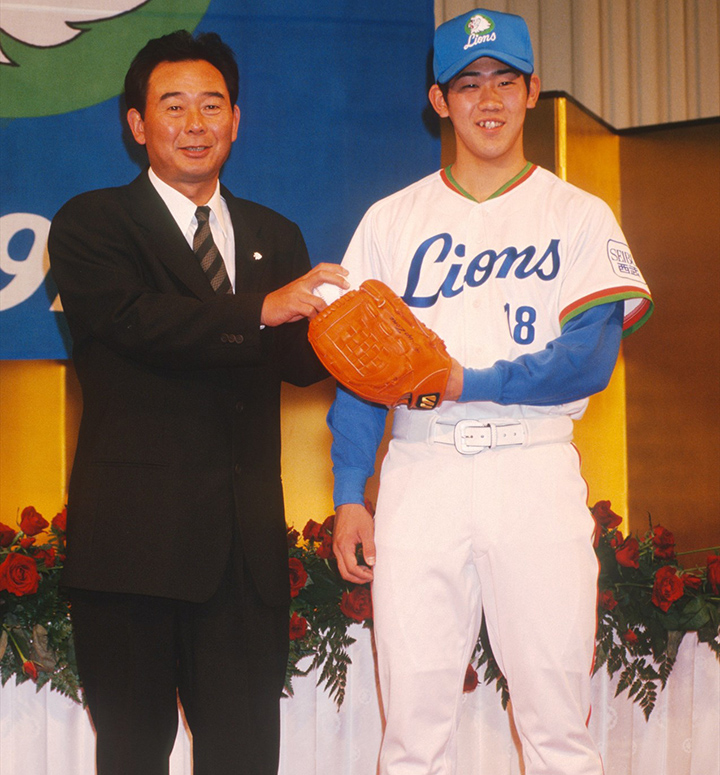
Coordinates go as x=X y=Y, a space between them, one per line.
x=207 y=253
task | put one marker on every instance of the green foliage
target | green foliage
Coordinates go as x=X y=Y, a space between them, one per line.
x=318 y=604
x=641 y=620
x=36 y=640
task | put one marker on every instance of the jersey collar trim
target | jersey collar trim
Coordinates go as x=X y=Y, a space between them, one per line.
x=522 y=176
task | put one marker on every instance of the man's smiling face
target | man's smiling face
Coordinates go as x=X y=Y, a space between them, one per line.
x=188 y=126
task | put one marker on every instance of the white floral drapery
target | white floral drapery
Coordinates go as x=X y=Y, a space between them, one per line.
x=45 y=734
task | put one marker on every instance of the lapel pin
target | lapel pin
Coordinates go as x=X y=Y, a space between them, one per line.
x=257 y=256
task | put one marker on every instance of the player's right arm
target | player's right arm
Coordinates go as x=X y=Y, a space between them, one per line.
x=357 y=427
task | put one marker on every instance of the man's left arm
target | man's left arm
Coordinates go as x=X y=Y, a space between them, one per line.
x=573 y=366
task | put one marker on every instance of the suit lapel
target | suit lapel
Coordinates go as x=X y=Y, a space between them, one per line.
x=250 y=259
x=169 y=245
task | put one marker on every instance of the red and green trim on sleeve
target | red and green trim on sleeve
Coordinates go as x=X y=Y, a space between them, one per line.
x=638 y=306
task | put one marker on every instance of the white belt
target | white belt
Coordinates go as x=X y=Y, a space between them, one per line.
x=472 y=436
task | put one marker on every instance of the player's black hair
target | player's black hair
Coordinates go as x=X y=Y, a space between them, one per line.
x=445 y=87
x=179 y=46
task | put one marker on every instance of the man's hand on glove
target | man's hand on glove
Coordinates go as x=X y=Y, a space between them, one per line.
x=371 y=342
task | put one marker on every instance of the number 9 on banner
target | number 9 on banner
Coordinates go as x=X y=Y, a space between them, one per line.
x=27 y=273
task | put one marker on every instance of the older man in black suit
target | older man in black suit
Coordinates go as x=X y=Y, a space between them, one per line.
x=188 y=308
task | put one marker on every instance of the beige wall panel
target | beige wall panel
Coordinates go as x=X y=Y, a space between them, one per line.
x=704 y=57
x=587 y=55
x=631 y=62
x=617 y=92
x=675 y=38
x=553 y=44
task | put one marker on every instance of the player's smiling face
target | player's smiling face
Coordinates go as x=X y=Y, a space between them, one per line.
x=188 y=127
x=486 y=103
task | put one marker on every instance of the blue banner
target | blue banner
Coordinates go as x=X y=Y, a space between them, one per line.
x=333 y=116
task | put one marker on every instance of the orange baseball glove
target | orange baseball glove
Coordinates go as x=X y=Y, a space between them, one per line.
x=371 y=342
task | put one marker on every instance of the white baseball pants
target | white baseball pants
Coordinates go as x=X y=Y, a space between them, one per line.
x=507 y=532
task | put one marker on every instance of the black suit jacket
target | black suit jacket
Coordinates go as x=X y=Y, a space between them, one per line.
x=179 y=445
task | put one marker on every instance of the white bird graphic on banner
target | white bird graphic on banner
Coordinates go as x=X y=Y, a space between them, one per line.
x=49 y=22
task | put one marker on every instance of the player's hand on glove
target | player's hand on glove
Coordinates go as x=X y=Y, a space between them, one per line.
x=371 y=342
x=454 y=388
x=296 y=300
x=354 y=527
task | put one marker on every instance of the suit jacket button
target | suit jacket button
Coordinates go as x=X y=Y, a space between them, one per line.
x=239 y=406
x=239 y=338
x=224 y=338
x=237 y=468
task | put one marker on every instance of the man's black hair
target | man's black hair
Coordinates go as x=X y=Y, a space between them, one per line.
x=179 y=46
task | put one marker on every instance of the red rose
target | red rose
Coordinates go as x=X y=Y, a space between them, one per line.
x=630 y=637
x=323 y=547
x=298 y=627
x=668 y=587
x=713 y=572
x=19 y=575
x=607 y=600
x=628 y=553
x=664 y=543
x=7 y=534
x=27 y=541
x=298 y=576
x=292 y=537
x=31 y=522
x=357 y=604
x=329 y=523
x=320 y=536
x=30 y=670
x=692 y=581
x=48 y=556
x=60 y=520
x=471 y=679
x=312 y=529
x=605 y=518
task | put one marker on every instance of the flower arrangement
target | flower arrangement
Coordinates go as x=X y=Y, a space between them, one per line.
x=646 y=604
x=35 y=632
x=322 y=606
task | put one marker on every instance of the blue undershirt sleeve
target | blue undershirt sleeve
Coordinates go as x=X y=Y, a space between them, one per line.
x=357 y=427
x=577 y=364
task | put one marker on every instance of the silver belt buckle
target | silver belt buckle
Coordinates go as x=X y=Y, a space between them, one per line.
x=461 y=437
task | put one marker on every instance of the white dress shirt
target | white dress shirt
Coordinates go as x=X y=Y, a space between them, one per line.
x=183 y=210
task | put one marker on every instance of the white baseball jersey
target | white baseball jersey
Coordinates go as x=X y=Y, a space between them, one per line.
x=498 y=279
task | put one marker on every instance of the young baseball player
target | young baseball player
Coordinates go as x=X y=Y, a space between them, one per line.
x=482 y=507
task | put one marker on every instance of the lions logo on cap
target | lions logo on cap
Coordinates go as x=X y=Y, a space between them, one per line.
x=480 y=30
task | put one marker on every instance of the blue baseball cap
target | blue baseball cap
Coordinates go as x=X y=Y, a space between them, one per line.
x=481 y=33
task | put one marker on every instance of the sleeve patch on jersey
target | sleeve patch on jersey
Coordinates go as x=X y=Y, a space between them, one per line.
x=622 y=262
